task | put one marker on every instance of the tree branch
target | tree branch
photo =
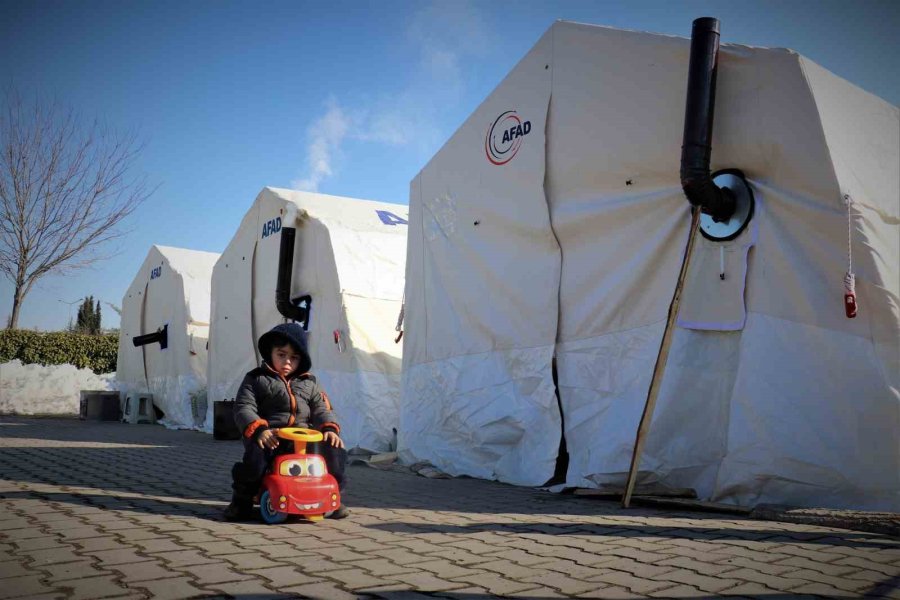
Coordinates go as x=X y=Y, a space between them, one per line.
x=65 y=190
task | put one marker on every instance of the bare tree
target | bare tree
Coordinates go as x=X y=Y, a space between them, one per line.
x=65 y=189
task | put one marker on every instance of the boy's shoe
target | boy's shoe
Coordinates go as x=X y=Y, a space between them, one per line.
x=341 y=513
x=238 y=511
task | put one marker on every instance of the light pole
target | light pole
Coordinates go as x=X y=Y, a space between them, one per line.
x=70 y=307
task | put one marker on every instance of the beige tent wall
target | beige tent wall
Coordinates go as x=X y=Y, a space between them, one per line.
x=171 y=288
x=232 y=341
x=771 y=394
x=621 y=219
x=352 y=264
x=481 y=299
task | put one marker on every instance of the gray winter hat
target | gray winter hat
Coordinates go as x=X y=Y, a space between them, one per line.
x=291 y=333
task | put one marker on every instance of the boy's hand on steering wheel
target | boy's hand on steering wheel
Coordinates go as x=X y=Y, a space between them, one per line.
x=332 y=438
x=267 y=440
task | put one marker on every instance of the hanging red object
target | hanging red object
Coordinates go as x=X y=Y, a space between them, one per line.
x=850 y=305
x=849 y=278
x=337 y=336
x=850 y=295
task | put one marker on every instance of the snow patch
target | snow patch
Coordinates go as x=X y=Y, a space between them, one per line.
x=47 y=390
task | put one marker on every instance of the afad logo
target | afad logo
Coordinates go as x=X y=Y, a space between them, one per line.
x=271 y=227
x=505 y=137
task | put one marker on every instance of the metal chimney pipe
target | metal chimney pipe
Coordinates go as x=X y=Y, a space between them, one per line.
x=698 y=123
x=285 y=270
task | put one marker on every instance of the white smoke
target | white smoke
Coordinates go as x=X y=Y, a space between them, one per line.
x=461 y=32
x=325 y=137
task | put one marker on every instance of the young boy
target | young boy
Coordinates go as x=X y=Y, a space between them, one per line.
x=280 y=393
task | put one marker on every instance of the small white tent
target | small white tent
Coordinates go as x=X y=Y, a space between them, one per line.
x=169 y=294
x=553 y=224
x=349 y=259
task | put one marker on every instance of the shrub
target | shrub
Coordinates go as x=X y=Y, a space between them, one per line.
x=95 y=352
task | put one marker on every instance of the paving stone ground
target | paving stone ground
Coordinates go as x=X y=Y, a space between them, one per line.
x=106 y=510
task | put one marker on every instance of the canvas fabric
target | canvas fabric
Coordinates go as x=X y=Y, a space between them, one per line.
x=771 y=394
x=170 y=289
x=349 y=256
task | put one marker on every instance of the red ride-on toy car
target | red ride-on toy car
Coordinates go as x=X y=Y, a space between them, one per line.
x=298 y=483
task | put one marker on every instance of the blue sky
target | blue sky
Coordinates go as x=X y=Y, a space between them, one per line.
x=345 y=98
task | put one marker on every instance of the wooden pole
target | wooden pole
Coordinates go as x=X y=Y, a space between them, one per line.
x=661 y=359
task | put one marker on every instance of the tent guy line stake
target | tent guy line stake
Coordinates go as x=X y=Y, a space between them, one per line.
x=661 y=359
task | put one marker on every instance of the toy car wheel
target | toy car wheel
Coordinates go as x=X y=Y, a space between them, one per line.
x=268 y=513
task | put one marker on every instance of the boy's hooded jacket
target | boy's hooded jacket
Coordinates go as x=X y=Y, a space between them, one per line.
x=267 y=400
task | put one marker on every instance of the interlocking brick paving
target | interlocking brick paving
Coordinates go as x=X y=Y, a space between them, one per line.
x=107 y=510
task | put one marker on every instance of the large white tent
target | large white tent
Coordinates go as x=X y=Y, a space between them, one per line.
x=553 y=224
x=170 y=294
x=349 y=258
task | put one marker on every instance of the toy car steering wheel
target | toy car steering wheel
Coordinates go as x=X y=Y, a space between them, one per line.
x=299 y=434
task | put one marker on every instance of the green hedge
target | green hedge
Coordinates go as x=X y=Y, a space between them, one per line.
x=95 y=352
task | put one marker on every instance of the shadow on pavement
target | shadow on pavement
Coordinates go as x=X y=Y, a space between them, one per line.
x=884 y=588
x=878 y=591
x=154 y=506
x=164 y=472
x=639 y=530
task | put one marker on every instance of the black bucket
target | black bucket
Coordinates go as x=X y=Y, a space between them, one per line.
x=223 y=421
x=99 y=406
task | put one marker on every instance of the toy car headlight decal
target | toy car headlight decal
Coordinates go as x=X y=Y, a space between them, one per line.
x=316 y=468
x=310 y=466
x=293 y=468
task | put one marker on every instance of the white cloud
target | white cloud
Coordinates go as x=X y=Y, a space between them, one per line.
x=444 y=35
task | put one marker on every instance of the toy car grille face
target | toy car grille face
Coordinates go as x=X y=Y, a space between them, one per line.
x=302 y=467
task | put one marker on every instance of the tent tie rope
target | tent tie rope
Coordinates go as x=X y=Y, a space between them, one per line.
x=850 y=306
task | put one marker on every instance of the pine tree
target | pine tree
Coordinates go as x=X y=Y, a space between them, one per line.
x=81 y=318
x=88 y=317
